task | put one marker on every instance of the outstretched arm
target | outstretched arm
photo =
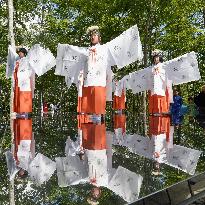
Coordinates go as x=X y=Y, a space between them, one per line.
x=182 y=69
x=126 y=48
x=70 y=61
x=138 y=81
x=40 y=60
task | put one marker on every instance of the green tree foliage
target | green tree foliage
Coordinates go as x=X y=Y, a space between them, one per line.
x=174 y=26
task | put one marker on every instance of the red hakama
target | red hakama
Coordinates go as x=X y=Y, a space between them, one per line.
x=22 y=100
x=159 y=104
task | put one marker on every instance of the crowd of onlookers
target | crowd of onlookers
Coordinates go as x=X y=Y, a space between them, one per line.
x=194 y=109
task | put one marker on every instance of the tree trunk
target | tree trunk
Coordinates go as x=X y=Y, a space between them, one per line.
x=11 y=23
x=11 y=192
x=12 y=42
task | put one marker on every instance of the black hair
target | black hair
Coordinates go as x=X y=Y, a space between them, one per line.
x=23 y=50
x=160 y=58
x=24 y=175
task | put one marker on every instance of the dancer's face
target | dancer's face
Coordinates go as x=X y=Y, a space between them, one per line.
x=95 y=39
x=21 y=54
x=96 y=192
x=156 y=60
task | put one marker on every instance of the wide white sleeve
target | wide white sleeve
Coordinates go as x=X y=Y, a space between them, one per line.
x=40 y=60
x=182 y=69
x=184 y=158
x=11 y=61
x=70 y=170
x=70 y=59
x=41 y=169
x=126 y=184
x=11 y=165
x=126 y=48
x=140 y=80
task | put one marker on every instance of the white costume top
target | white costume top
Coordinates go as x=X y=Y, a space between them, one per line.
x=159 y=149
x=96 y=168
x=71 y=170
x=156 y=78
x=38 y=60
x=97 y=60
x=26 y=153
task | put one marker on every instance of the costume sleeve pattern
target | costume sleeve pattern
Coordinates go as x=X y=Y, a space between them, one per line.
x=126 y=48
x=40 y=60
x=70 y=60
x=183 y=69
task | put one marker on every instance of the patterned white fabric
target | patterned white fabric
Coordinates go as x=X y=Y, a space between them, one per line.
x=71 y=170
x=97 y=167
x=73 y=147
x=70 y=60
x=24 y=154
x=126 y=184
x=159 y=80
x=184 y=158
x=159 y=149
x=177 y=71
x=140 y=80
x=11 y=165
x=97 y=60
x=79 y=83
x=170 y=90
x=40 y=60
x=24 y=75
x=126 y=48
x=109 y=86
x=118 y=87
x=183 y=69
x=41 y=169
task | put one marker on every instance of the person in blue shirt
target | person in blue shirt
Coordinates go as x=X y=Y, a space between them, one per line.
x=176 y=106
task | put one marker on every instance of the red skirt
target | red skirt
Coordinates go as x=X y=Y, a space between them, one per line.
x=93 y=100
x=159 y=104
x=159 y=125
x=22 y=131
x=119 y=102
x=22 y=100
x=94 y=136
x=120 y=122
